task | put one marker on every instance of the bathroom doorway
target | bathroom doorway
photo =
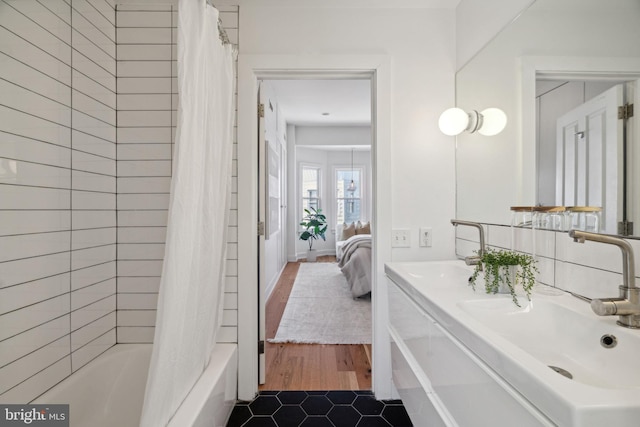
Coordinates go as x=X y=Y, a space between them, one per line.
x=319 y=132
x=251 y=69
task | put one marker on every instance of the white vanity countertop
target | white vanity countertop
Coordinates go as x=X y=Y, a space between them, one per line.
x=555 y=328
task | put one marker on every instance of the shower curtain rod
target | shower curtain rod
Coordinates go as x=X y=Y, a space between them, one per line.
x=224 y=38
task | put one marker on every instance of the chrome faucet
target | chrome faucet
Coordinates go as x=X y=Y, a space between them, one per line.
x=627 y=306
x=472 y=260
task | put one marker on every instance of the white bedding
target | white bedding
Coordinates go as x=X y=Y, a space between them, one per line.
x=340 y=249
x=355 y=263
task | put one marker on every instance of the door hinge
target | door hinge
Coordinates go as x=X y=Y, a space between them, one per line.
x=261 y=347
x=625 y=111
x=260 y=228
x=625 y=228
x=260 y=110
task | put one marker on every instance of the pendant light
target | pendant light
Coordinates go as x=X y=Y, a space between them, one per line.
x=352 y=185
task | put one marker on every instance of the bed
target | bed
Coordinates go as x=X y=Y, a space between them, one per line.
x=353 y=253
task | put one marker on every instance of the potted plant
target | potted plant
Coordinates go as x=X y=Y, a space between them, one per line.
x=503 y=270
x=315 y=224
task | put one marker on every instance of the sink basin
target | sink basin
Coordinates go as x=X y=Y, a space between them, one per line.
x=447 y=273
x=560 y=337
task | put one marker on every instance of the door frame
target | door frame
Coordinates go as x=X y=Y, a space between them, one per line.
x=251 y=68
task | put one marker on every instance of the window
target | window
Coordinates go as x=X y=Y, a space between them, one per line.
x=348 y=200
x=310 y=188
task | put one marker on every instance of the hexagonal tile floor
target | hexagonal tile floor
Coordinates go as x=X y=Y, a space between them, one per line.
x=319 y=408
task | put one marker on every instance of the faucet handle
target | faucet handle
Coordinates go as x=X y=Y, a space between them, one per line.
x=605 y=306
x=472 y=260
x=614 y=306
x=577 y=237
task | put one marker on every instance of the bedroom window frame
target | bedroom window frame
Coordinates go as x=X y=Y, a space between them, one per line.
x=301 y=196
x=361 y=190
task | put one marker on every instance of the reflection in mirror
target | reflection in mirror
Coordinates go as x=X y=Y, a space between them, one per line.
x=557 y=55
x=581 y=146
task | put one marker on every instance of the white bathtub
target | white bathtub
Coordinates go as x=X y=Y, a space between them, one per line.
x=109 y=391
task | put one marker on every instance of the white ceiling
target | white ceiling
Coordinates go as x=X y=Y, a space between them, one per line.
x=303 y=102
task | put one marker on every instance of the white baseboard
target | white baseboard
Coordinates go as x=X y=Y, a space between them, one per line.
x=303 y=255
x=272 y=285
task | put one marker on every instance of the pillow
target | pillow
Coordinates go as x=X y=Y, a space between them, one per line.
x=348 y=231
x=363 y=228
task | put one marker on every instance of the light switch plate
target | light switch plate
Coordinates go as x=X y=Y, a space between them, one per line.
x=400 y=238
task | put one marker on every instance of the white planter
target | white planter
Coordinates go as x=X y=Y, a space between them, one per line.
x=312 y=255
x=502 y=281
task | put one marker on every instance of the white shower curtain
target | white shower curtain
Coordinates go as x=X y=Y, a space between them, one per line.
x=192 y=284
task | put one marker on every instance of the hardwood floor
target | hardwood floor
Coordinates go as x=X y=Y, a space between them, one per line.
x=310 y=366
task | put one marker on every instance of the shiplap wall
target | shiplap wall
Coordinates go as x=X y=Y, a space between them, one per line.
x=147 y=103
x=147 y=100
x=57 y=190
x=229 y=15
x=59 y=186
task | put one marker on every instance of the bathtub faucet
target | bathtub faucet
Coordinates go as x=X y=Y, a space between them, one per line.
x=473 y=260
x=627 y=305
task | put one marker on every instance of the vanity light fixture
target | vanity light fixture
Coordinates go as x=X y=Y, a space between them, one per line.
x=488 y=122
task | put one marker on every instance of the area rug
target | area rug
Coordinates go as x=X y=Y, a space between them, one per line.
x=321 y=309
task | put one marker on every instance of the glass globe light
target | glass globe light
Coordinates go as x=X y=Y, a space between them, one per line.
x=453 y=121
x=494 y=121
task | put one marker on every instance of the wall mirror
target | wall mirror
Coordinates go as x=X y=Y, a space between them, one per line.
x=587 y=44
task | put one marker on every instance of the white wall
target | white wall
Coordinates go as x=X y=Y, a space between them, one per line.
x=333 y=135
x=478 y=21
x=420 y=44
x=414 y=53
x=292 y=217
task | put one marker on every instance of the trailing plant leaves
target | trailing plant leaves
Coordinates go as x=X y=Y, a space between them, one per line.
x=495 y=266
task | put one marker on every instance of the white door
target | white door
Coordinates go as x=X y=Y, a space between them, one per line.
x=269 y=207
x=282 y=248
x=263 y=232
x=633 y=156
x=589 y=144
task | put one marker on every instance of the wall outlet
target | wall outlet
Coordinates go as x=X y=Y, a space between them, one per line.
x=425 y=237
x=400 y=238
